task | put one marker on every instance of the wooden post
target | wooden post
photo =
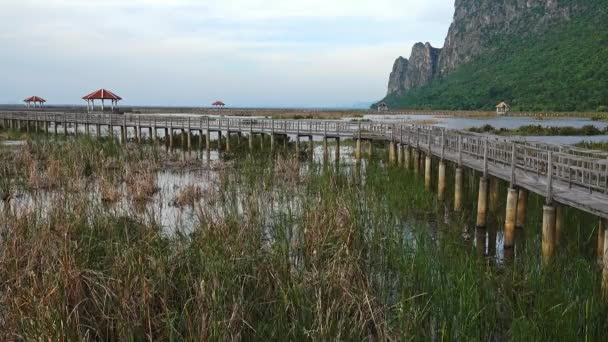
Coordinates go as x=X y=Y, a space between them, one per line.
x=416 y=161
x=605 y=264
x=458 y=190
x=189 y=132
x=407 y=157
x=391 y=152
x=559 y=224
x=311 y=152
x=399 y=149
x=358 y=149
x=548 y=244
x=207 y=140
x=123 y=134
x=337 y=150
x=228 y=136
x=482 y=203
x=522 y=208
x=427 y=172
x=493 y=194
x=601 y=232
x=510 y=218
x=441 y=186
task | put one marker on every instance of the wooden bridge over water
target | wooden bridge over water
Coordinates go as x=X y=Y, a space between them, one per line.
x=564 y=175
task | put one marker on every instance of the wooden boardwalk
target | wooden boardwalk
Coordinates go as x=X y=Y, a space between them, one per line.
x=565 y=174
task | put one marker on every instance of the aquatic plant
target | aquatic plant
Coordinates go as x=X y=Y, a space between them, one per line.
x=347 y=252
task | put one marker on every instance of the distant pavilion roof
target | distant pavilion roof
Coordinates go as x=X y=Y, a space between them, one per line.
x=35 y=99
x=502 y=105
x=218 y=103
x=382 y=104
x=102 y=94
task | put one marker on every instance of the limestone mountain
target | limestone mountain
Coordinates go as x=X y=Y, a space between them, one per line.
x=536 y=54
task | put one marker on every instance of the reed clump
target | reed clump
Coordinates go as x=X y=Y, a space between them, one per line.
x=355 y=252
x=188 y=196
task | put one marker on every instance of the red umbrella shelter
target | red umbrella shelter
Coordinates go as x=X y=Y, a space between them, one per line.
x=218 y=104
x=35 y=100
x=102 y=95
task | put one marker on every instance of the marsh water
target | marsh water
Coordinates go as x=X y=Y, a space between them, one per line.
x=430 y=270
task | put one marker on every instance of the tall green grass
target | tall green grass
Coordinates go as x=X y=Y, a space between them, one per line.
x=284 y=250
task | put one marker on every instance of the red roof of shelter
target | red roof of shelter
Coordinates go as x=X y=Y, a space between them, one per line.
x=102 y=94
x=34 y=99
x=218 y=103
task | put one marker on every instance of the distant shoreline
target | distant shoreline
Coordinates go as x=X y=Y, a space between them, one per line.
x=307 y=113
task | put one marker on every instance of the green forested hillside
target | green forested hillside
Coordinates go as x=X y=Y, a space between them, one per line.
x=564 y=68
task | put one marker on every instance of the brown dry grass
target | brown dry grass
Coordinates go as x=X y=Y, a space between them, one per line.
x=141 y=184
x=110 y=192
x=188 y=195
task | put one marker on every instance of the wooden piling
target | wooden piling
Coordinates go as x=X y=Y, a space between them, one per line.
x=391 y=152
x=559 y=224
x=311 y=148
x=441 y=185
x=337 y=150
x=548 y=244
x=407 y=157
x=510 y=218
x=427 y=172
x=522 y=208
x=601 y=233
x=189 y=133
x=482 y=203
x=494 y=194
x=458 y=188
x=605 y=266
x=399 y=154
x=358 y=149
x=207 y=140
x=416 y=162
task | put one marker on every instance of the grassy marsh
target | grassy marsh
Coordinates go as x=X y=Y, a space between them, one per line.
x=282 y=249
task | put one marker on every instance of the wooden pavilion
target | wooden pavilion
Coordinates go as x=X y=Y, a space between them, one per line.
x=101 y=94
x=34 y=101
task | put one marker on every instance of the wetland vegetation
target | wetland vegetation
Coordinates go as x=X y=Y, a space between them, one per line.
x=282 y=248
x=541 y=130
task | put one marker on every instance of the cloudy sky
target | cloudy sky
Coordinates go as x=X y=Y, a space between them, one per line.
x=271 y=53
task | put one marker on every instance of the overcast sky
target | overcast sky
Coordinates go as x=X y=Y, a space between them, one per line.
x=270 y=53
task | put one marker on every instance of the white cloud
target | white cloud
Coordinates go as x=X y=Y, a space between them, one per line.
x=250 y=52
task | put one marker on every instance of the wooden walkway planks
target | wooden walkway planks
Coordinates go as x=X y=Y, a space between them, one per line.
x=579 y=177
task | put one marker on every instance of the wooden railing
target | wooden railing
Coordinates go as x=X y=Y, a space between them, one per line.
x=576 y=167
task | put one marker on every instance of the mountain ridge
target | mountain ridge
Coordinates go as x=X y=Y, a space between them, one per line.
x=496 y=42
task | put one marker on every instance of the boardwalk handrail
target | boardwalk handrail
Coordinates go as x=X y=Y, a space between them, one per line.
x=577 y=167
